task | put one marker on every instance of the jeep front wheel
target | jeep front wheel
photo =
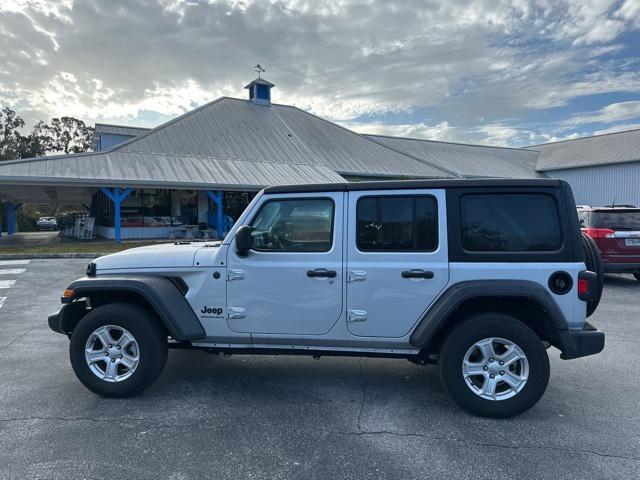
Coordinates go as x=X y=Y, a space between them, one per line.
x=494 y=365
x=118 y=350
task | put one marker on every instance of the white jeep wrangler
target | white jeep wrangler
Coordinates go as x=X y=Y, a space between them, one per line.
x=478 y=276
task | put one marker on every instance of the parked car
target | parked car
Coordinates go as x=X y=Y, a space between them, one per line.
x=476 y=276
x=616 y=232
x=47 y=223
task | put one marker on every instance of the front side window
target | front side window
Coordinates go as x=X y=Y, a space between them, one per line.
x=510 y=223
x=398 y=223
x=294 y=225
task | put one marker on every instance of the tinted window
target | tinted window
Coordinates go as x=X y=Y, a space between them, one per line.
x=296 y=225
x=616 y=220
x=510 y=222
x=399 y=223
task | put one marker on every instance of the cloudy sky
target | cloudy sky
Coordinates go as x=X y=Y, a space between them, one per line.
x=482 y=71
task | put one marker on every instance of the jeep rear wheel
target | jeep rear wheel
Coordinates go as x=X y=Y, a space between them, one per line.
x=493 y=365
x=118 y=350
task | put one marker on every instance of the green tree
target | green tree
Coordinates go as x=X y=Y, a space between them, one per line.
x=10 y=138
x=63 y=135
x=69 y=135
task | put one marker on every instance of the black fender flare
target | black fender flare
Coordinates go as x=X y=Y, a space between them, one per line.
x=159 y=292
x=438 y=314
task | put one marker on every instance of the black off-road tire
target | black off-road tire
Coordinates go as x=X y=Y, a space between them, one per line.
x=478 y=327
x=593 y=263
x=149 y=334
x=637 y=275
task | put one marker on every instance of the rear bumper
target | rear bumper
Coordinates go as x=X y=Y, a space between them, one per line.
x=581 y=343
x=620 y=267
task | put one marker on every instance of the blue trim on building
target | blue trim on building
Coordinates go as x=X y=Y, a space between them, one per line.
x=117 y=196
x=216 y=198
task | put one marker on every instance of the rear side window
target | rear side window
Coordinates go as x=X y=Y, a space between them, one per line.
x=510 y=223
x=397 y=224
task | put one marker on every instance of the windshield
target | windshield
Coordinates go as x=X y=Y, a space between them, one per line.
x=617 y=220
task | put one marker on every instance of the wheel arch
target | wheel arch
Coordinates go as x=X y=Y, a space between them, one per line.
x=524 y=300
x=159 y=294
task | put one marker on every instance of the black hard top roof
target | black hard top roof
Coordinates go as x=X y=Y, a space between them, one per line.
x=416 y=184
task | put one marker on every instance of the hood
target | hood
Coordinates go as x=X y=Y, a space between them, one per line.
x=167 y=255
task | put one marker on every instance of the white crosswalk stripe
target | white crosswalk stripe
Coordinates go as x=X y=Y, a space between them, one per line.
x=6 y=284
x=12 y=271
x=6 y=263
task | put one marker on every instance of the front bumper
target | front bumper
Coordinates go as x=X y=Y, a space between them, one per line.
x=65 y=320
x=581 y=343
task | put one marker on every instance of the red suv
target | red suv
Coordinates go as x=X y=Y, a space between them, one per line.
x=616 y=231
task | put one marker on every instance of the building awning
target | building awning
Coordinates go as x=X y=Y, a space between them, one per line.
x=71 y=178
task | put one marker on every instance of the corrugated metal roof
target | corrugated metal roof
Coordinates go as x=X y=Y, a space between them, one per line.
x=234 y=128
x=466 y=160
x=114 y=168
x=610 y=148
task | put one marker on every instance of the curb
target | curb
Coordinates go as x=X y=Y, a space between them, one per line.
x=34 y=256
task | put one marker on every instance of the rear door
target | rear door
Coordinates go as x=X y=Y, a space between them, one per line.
x=397 y=261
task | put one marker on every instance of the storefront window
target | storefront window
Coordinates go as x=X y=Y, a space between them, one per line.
x=155 y=207
x=184 y=207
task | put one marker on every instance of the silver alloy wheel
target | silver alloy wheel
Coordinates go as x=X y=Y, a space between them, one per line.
x=495 y=368
x=112 y=353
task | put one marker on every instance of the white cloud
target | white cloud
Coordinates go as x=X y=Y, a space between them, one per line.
x=441 y=131
x=615 y=112
x=630 y=11
x=471 y=62
x=618 y=128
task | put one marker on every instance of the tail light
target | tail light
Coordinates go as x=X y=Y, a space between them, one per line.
x=583 y=286
x=600 y=233
x=587 y=285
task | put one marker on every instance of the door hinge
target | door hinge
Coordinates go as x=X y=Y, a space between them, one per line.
x=356 y=316
x=235 y=274
x=356 y=276
x=234 y=313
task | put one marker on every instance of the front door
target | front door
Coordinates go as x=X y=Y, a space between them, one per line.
x=291 y=281
x=397 y=259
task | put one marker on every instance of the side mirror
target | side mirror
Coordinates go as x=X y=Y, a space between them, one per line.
x=244 y=240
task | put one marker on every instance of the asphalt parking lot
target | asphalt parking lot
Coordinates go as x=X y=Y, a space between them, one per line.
x=295 y=417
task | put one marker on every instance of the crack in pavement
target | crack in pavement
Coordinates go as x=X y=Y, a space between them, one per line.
x=437 y=440
x=433 y=439
x=363 y=386
x=19 y=337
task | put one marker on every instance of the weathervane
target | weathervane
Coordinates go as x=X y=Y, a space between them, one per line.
x=258 y=68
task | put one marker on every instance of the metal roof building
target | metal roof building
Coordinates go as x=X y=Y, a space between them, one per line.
x=602 y=169
x=466 y=160
x=153 y=176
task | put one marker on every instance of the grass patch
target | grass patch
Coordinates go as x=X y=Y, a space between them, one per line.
x=72 y=247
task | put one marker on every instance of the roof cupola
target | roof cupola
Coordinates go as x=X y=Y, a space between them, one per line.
x=260 y=89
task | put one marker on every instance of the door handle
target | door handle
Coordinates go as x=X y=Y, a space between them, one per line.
x=417 y=273
x=321 y=272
